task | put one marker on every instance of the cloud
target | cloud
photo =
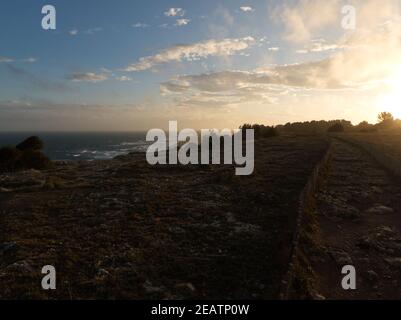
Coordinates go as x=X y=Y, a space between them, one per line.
x=191 y=52
x=140 y=25
x=35 y=81
x=37 y=114
x=320 y=45
x=302 y=18
x=9 y=60
x=354 y=68
x=182 y=22
x=73 y=32
x=123 y=78
x=305 y=19
x=29 y=60
x=87 y=77
x=5 y=60
x=218 y=90
x=246 y=9
x=175 y=12
x=93 y=30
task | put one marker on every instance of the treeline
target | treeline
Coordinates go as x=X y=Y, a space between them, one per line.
x=315 y=127
x=385 y=121
x=260 y=130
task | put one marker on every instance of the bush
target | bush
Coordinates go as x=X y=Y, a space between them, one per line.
x=338 y=127
x=26 y=155
x=33 y=159
x=9 y=157
x=32 y=143
x=261 y=131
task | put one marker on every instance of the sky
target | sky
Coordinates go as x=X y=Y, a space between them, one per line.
x=129 y=65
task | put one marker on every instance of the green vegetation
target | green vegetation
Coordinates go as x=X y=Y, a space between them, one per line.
x=385 y=121
x=261 y=131
x=26 y=155
x=338 y=127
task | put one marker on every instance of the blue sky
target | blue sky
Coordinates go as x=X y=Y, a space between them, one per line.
x=117 y=44
x=131 y=65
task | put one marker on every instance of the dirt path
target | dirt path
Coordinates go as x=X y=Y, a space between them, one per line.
x=359 y=216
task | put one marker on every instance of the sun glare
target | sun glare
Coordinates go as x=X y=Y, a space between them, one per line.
x=390 y=101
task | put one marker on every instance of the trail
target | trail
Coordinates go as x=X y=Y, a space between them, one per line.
x=359 y=218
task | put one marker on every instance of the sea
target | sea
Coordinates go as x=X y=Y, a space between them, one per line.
x=82 y=145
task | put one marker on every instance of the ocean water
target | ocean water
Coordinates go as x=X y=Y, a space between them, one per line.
x=82 y=145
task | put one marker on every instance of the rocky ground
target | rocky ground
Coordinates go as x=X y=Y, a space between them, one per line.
x=124 y=229
x=388 y=141
x=358 y=212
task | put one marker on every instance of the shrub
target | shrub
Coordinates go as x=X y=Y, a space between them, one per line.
x=9 y=157
x=34 y=159
x=337 y=127
x=26 y=155
x=32 y=143
x=261 y=131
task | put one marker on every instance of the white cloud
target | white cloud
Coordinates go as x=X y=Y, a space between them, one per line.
x=123 y=78
x=320 y=45
x=30 y=60
x=247 y=9
x=175 y=12
x=73 y=32
x=304 y=17
x=5 y=60
x=191 y=52
x=88 y=77
x=140 y=25
x=354 y=68
x=93 y=30
x=182 y=22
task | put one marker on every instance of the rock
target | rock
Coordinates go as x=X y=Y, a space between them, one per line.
x=365 y=243
x=8 y=248
x=372 y=276
x=246 y=228
x=230 y=218
x=101 y=274
x=380 y=210
x=20 y=267
x=151 y=289
x=186 y=286
x=394 y=262
x=176 y=230
x=377 y=190
x=386 y=230
x=318 y=296
x=341 y=257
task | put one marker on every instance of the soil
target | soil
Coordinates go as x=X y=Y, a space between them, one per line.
x=358 y=214
x=122 y=229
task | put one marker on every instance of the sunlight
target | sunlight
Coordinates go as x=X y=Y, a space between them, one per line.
x=390 y=101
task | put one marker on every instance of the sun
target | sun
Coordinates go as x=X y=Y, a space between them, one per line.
x=390 y=100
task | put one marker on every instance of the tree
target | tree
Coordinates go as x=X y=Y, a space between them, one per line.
x=32 y=143
x=337 y=127
x=385 y=117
